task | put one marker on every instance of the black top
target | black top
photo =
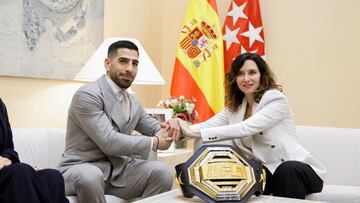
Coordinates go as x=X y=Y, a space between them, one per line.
x=6 y=142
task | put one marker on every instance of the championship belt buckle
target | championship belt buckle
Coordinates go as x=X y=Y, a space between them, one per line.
x=221 y=173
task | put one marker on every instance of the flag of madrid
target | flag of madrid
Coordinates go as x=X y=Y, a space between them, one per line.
x=242 y=31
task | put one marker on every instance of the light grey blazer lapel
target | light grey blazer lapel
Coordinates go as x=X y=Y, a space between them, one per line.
x=113 y=106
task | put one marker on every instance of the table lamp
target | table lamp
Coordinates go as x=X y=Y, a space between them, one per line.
x=94 y=68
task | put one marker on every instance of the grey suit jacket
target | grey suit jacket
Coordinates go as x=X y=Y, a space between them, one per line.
x=99 y=134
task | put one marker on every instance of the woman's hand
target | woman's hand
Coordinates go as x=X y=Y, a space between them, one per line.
x=174 y=130
x=4 y=162
x=186 y=130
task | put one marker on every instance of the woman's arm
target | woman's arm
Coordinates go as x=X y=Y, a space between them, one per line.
x=219 y=119
x=193 y=131
x=187 y=131
x=183 y=129
x=273 y=108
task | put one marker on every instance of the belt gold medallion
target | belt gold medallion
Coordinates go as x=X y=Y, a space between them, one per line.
x=221 y=173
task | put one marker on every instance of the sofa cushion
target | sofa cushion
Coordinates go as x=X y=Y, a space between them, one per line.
x=337 y=194
x=336 y=149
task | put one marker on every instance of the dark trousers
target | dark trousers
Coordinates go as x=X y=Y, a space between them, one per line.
x=292 y=179
x=20 y=183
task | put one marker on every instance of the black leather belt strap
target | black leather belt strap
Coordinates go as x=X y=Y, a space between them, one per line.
x=181 y=179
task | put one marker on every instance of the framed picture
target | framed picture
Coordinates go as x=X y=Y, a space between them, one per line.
x=159 y=113
x=49 y=39
x=162 y=115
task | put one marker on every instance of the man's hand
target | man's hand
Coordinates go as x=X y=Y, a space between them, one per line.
x=186 y=130
x=4 y=162
x=164 y=140
x=174 y=130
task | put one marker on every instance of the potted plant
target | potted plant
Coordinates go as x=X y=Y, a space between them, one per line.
x=181 y=108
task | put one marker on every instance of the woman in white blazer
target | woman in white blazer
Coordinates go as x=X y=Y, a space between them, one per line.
x=258 y=118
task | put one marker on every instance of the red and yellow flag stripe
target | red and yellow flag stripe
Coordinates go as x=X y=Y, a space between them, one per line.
x=199 y=66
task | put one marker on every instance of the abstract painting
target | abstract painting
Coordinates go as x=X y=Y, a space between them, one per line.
x=48 y=38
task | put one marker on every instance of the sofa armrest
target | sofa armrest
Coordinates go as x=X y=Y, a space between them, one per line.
x=336 y=149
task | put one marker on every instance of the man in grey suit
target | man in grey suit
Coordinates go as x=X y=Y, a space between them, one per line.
x=101 y=156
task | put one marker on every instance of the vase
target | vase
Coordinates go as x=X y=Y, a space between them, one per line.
x=181 y=144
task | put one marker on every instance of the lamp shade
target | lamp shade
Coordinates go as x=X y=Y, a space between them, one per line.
x=94 y=68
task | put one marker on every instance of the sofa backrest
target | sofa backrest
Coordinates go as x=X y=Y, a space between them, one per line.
x=41 y=147
x=337 y=149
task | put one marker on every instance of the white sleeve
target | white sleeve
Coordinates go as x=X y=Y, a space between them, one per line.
x=273 y=108
x=219 y=119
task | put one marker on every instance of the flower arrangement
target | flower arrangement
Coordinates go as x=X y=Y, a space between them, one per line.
x=182 y=108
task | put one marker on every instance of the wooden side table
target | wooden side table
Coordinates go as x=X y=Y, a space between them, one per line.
x=174 y=158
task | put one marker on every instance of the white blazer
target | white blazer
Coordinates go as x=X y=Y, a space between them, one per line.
x=271 y=129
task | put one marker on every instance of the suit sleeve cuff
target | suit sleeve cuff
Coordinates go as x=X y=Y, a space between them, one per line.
x=151 y=144
x=207 y=136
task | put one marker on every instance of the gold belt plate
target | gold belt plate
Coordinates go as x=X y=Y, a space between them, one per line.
x=222 y=174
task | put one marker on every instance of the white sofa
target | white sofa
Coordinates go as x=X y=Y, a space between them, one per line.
x=336 y=148
x=43 y=147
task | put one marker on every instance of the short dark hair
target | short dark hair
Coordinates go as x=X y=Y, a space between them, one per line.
x=121 y=44
x=234 y=95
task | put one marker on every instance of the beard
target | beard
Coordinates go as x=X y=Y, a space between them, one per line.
x=124 y=84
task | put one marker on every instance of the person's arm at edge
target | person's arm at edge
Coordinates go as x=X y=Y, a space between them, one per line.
x=8 y=151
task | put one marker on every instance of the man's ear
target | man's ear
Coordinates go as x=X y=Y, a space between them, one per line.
x=107 y=64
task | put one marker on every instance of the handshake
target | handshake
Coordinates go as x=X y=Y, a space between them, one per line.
x=172 y=130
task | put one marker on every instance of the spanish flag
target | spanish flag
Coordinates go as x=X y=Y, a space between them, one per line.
x=199 y=65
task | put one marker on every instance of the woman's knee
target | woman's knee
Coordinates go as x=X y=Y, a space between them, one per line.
x=19 y=169
x=288 y=168
x=289 y=180
x=51 y=175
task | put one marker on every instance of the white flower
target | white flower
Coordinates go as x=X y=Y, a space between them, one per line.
x=181 y=105
x=189 y=108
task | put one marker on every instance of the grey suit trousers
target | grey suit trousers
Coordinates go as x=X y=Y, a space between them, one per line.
x=143 y=179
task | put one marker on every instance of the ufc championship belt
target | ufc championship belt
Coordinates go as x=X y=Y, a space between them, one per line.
x=221 y=173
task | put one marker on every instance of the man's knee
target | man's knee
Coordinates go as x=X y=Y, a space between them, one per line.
x=88 y=178
x=163 y=174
